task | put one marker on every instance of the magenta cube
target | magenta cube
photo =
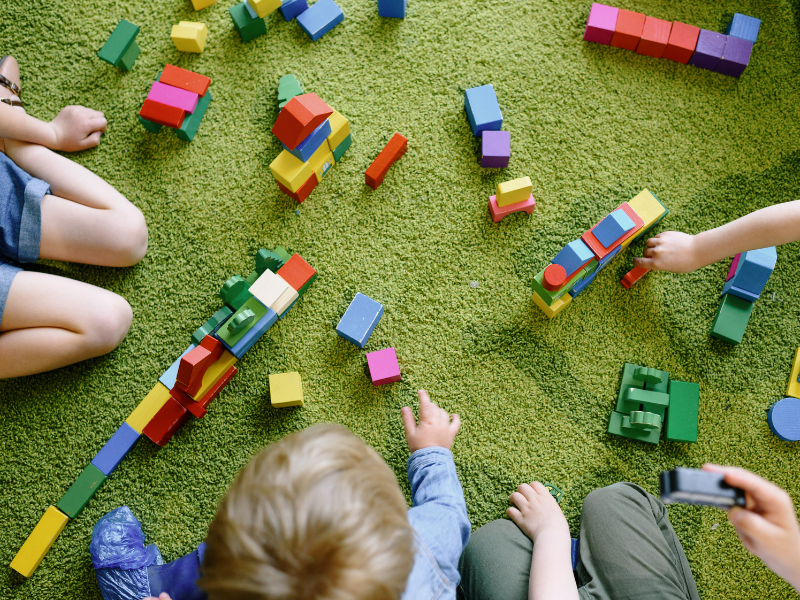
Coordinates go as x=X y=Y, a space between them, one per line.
x=601 y=23
x=172 y=96
x=495 y=149
x=383 y=367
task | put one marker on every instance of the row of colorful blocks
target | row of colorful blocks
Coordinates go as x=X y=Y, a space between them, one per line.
x=486 y=119
x=728 y=54
x=316 y=20
x=784 y=415
x=177 y=99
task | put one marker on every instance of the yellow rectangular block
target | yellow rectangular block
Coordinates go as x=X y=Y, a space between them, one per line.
x=321 y=161
x=214 y=372
x=286 y=389
x=189 y=37
x=148 y=407
x=558 y=305
x=201 y=4
x=340 y=129
x=39 y=541
x=647 y=207
x=290 y=171
x=514 y=191
x=793 y=389
x=264 y=7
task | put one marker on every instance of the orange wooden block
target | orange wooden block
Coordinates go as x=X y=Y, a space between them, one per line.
x=655 y=36
x=186 y=80
x=594 y=244
x=304 y=191
x=217 y=388
x=299 y=117
x=188 y=403
x=628 y=31
x=682 y=42
x=162 y=114
x=555 y=276
x=193 y=366
x=296 y=272
x=376 y=172
x=632 y=276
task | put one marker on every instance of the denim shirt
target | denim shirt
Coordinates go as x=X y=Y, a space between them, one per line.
x=441 y=525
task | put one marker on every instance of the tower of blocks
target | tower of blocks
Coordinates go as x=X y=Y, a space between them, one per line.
x=746 y=279
x=784 y=416
x=177 y=99
x=728 y=53
x=579 y=262
x=649 y=402
x=189 y=37
x=251 y=306
x=316 y=20
x=510 y=197
x=390 y=154
x=314 y=138
x=121 y=49
x=485 y=119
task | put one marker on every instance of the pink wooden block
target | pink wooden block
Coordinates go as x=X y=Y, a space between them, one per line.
x=172 y=96
x=499 y=212
x=732 y=270
x=383 y=367
x=601 y=23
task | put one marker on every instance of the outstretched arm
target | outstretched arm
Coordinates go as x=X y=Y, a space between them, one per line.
x=74 y=128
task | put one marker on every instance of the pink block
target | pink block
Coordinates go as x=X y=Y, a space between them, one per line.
x=383 y=367
x=499 y=212
x=601 y=23
x=172 y=96
x=732 y=270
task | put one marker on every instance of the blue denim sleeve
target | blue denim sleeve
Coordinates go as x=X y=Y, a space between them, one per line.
x=439 y=512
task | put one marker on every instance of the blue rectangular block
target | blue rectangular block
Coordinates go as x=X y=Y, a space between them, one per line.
x=753 y=270
x=171 y=374
x=744 y=27
x=359 y=320
x=730 y=288
x=392 y=9
x=253 y=335
x=312 y=143
x=115 y=449
x=582 y=284
x=613 y=227
x=292 y=8
x=320 y=18
x=483 y=109
x=573 y=256
x=575 y=543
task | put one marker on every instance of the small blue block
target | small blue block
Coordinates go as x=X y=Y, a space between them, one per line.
x=253 y=14
x=613 y=227
x=582 y=284
x=754 y=269
x=292 y=8
x=784 y=419
x=575 y=552
x=483 y=110
x=744 y=27
x=312 y=143
x=392 y=9
x=359 y=320
x=320 y=18
x=608 y=258
x=729 y=288
x=253 y=335
x=171 y=374
x=573 y=256
x=115 y=449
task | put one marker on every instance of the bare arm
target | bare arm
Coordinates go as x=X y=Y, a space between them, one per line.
x=74 y=128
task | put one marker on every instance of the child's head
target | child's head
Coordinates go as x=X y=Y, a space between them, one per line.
x=317 y=515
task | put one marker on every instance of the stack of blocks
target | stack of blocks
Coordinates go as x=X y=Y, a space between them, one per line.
x=579 y=262
x=189 y=37
x=191 y=383
x=728 y=54
x=784 y=416
x=746 y=279
x=510 y=197
x=316 y=20
x=485 y=119
x=390 y=154
x=314 y=138
x=121 y=49
x=648 y=401
x=177 y=99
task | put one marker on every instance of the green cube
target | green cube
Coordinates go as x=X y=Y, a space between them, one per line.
x=248 y=27
x=208 y=327
x=129 y=58
x=684 y=411
x=651 y=436
x=119 y=43
x=232 y=339
x=343 y=146
x=80 y=492
x=192 y=120
x=731 y=319
x=149 y=125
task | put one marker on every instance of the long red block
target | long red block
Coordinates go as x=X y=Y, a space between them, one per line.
x=166 y=422
x=195 y=408
x=186 y=80
x=628 y=30
x=632 y=276
x=655 y=37
x=391 y=153
x=162 y=114
x=299 y=117
x=296 y=272
x=194 y=365
x=217 y=388
x=594 y=244
x=304 y=191
x=682 y=42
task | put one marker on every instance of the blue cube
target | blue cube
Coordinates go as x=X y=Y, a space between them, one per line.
x=752 y=273
x=613 y=227
x=115 y=449
x=744 y=27
x=292 y=8
x=312 y=143
x=573 y=256
x=359 y=320
x=171 y=374
x=393 y=9
x=483 y=110
x=320 y=18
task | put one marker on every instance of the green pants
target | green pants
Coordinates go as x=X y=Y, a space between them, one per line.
x=628 y=549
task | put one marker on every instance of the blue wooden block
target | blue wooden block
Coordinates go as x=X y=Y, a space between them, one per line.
x=359 y=320
x=613 y=227
x=744 y=27
x=575 y=546
x=729 y=288
x=483 y=110
x=582 y=284
x=115 y=449
x=573 y=256
x=292 y=8
x=171 y=374
x=608 y=258
x=754 y=270
x=393 y=9
x=312 y=143
x=784 y=419
x=253 y=335
x=320 y=18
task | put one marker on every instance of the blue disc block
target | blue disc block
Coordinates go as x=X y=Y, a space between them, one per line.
x=115 y=449
x=483 y=110
x=784 y=419
x=320 y=18
x=359 y=320
x=311 y=144
x=744 y=27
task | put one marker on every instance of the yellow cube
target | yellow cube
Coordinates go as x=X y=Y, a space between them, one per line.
x=264 y=7
x=555 y=308
x=148 y=407
x=340 y=129
x=321 y=161
x=201 y=4
x=286 y=389
x=793 y=389
x=290 y=171
x=189 y=37
x=39 y=541
x=514 y=191
x=647 y=207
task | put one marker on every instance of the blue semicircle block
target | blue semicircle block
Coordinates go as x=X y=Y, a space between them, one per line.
x=784 y=419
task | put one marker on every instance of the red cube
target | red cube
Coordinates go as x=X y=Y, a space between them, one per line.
x=682 y=42
x=628 y=31
x=297 y=272
x=655 y=37
x=299 y=117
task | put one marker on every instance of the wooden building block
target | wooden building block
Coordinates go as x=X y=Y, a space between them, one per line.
x=148 y=125
x=39 y=542
x=483 y=109
x=551 y=310
x=655 y=37
x=304 y=191
x=650 y=210
x=285 y=389
x=601 y=24
x=783 y=419
x=340 y=129
x=301 y=115
x=201 y=4
x=120 y=41
x=736 y=57
x=189 y=37
x=554 y=277
x=495 y=149
x=274 y=292
x=191 y=122
x=289 y=171
x=297 y=272
x=264 y=7
x=744 y=27
x=731 y=319
x=129 y=58
x=574 y=257
x=391 y=153
x=632 y=276
x=166 y=422
x=317 y=138
x=342 y=148
x=683 y=412
x=360 y=320
x=172 y=96
x=185 y=80
x=116 y=449
x=617 y=426
x=392 y=9
x=253 y=334
x=636 y=399
x=682 y=42
x=709 y=49
x=733 y=267
x=162 y=114
x=498 y=213
x=551 y=296
x=170 y=376
x=148 y=407
x=193 y=372
x=511 y=192
x=188 y=403
x=80 y=492
x=235 y=292
x=208 y=327
x=612 y=227
x=248 y=27
x=320 y=18
x=601 y=251
x=232 y=332
x=321 y=161
x=291 y=9
x=793 y=387
x=628 y=30
x=383 y=367
x=214 y=391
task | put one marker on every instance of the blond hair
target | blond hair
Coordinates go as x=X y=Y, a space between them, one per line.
x=315 y=516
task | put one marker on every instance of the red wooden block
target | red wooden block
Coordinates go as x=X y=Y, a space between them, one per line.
x=376 y=172
x=682 y=42
x=188 y=403
x=632 y=276
x=162 y=114
x=166 y=422
x=186 y=80
x=217 y=388
x=299 y=117
x=304 y=191
x=594 y=244
x=194 y=365
x=296 y=272
x=655 y=36
x=628 y=31
x=555 y=276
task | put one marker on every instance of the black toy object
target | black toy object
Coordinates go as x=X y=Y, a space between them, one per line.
x=693 y=486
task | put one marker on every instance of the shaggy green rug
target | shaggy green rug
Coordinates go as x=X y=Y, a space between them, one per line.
x=591 y=125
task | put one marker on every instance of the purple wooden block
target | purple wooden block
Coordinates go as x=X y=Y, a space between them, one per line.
x=736 y=57
x=601 y=23
x=709 y=49
x=495 y=149
x=172 y=96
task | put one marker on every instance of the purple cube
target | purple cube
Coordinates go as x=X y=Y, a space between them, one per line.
x=495 y=149
x=709 y=49
x=736 y=56
x=601 y=23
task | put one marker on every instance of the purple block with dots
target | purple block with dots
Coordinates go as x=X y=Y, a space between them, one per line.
x=495 y=149
x=601 y=24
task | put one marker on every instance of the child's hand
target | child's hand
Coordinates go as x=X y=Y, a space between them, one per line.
x=77 y=128
x=670 y=251
x=435 y=426
x=163 y=596
x=536 y=512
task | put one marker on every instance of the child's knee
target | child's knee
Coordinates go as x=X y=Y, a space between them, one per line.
x=136 y=237
x=108 y=324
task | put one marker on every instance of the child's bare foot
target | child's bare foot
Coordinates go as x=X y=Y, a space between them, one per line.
x=9 y=69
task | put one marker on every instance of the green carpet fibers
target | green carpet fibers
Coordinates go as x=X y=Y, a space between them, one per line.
x=591 y=125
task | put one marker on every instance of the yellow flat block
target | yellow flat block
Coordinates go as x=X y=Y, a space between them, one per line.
x=201 y=4
x=558 y=305
x=290 y=171
x=793 y=389
x=39 y=541
x=264 y=7
x=286 y=389
x=513 y=191
x=340 y=129
x=647 y=207
x=321 y=161
x=214 y=372
x=189 y=37
x=148 y=407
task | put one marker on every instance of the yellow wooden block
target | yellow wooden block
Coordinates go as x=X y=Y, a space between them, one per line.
x=558 y=305
x=514 y=191
x=647 y=207
x=286 y=389
x=189 y=37
x=214 y=373
x=39 y=541
x=793 y=389
x=340 y=129
x=264 y=7
x=201 y=4
x=148 y=407
x=321 y=161
x=290 y=171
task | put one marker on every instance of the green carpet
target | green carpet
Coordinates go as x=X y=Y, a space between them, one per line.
x=591 y=125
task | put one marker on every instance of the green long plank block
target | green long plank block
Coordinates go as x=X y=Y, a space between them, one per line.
x=149 y=125
x=208 y=327
x=651 y=436
x=633 y=399
x=284 y=255
x=339 y=151
x=192 y=121
x=628 y=381
x=684 y=411
x=119 y=43
x=80 y=492
x=129 y=58
x=731 y=319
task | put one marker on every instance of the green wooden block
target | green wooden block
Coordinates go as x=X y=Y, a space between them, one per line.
x=80 y=492
x=554 y=490
x=684 y=411
x=731 y=319
x=129 y=58
x=548 y=296
x=288 y=88
x=628 y=381
x=662 y=385
x=303 y=289
x=634 y=399
x=267 y=259
x=149 y=125
x=651 y=436
x=192 y=121
x=647 y=375
x=208 y=327
x=233 y=336
x=235 y=292
x=248 y=27
x=254 y=275
x=639 y=419
x=343 y=146
x=119 y=43
x=284 y=255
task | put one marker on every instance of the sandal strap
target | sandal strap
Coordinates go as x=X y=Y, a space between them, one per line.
x=11 y=102
x=7 y=83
